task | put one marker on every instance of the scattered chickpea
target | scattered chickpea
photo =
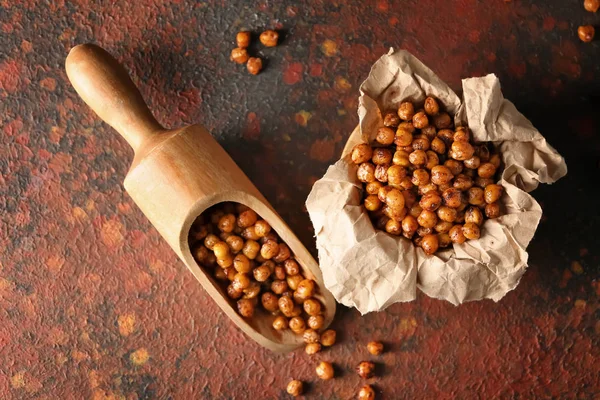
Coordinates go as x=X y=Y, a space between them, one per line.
x=591 y=5
x=328 y=338
x=312 y=307
x=239 y=56
x=366 y=393
x=297 y=325
x=325 y=370
x=375 y=348
x=586 y=33
x=295 y=388
x=366 y=369
x=269 y=38
x=254 y=65
x=492 y=210
x=430 y=244
x=431 y=106
x=311 y=336
x=242 y=39
x=245 y=308
x=316 y=322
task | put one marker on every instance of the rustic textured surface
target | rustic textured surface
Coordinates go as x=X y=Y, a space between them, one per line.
x=93 y=304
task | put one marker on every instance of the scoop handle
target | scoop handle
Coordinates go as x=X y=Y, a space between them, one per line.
x=105 y=86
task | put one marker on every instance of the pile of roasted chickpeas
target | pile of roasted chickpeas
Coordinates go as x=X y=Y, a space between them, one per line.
x=258 y=269
x=240 y=54
x=426 y=180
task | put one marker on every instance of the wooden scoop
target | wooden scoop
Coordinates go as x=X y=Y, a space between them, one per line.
x=176 y=175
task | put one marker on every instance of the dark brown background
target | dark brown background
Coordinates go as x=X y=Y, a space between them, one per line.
x=93 y=304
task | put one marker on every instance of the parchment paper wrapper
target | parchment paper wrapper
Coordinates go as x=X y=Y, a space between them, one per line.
x=370 y=269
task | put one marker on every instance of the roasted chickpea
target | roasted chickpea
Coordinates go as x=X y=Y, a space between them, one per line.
x=324 y=370
x=442 y=121
x=375 y=348
x=395 y=174
x=492 y=210
x=328 y=338
x=247 y=218
x=431 y=106
x=432 y=159
x=220 y=274
x=251 y=249
x=430 y=244
x=454 y=166
x=471 y=230
x=252 y=291
x=269 y=38
x=235 y=243
x=410 y=224
x=430 y=201
x=408 y=126
x=241 y=263
x=443 y=226
x=225 y=262
x=361 y=153
x=366 y=369
x=424 y=231
x=486 y=170
x=254 y=65
x=483 y=152
x=462 y=135
x=385 y=136
x=245 y=307
x=280 y=323
x=366 y=393
x=224 y=235
x=446 y=136
x=295 y=388
x=241 y=281
x=471 y=173
x=474 y=215
x=452 y=197
x=270 y=301
x=283 y=253
x=401 y=158
x=391 y=119
x=472 y=163
x=441 y=175
x=495 y=160
x=286 y=305
x=312 y=348
x=393 y=227
x=403 y=137
x=242 y=39
x=483 y=182
x=305 y=289
x=262 y=228
x=233 y=292
x=294 y=280
x=200 y=254
x=279 y=273
x=406 y=183
x=312 y=307
x=311 y=336
x=420 y=177
x=418 y=157
x=492 y=193
x=211 y=240
x=279 y=286
x=446 y=213
x=429 y=132
x=396 y=214
x=461 y=150
x=239 y=55
x=586 y=33
x=463 y=182
x=406 y=111
x=291 y=266
x=456 y=234
x=269 y=249
x=475 y=196
x=420 y=120
x=444 y=239
x=297 y=325
x=427 y=219
x=421 y=143
x=382 y=156
x=394 y=199
x=382 y=194
x=316 y=322
x=373 y=187
x=366 y=172
x=381 y=172
x=591 y=5
x=262 y=273
x=249 y=233
x=198 y=233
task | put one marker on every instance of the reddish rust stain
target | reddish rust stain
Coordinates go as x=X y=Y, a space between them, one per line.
x=252 y=130
x=322 y=150
x=293 y=73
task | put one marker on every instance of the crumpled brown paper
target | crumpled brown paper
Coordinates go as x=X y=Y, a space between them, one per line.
x=370 y=269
